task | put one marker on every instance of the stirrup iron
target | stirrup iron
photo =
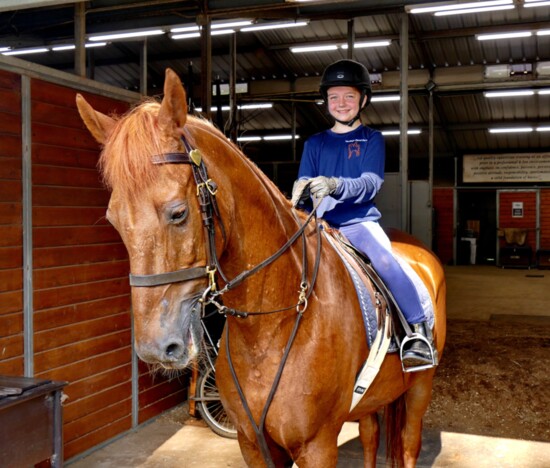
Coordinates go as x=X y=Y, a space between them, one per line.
x=434 y=358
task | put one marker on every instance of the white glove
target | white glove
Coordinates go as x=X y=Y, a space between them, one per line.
x=322 y=186
x=300 y=191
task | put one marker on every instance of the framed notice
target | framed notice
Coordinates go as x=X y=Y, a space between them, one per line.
x=512 y=167
x=517 y=209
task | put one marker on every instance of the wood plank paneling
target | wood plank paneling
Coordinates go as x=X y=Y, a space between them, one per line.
x=73 y=255
x=75 y=313
x=10 y=213
x=66 y=176
x=65 y=157
x=11 y=346
x=68 y=216
x=11 y=236
x=74 y=274
x=10 y=302
x=10 y=168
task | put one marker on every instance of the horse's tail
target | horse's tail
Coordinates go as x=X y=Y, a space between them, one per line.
x=395 y=421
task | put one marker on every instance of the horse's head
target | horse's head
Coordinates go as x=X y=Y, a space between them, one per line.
x=155 y=209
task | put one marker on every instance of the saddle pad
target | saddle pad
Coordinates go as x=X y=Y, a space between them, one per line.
x=366 y=300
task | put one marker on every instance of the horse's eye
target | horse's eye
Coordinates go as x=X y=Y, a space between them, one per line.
x=178 y=215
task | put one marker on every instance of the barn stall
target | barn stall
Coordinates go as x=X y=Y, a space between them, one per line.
x=65 y=298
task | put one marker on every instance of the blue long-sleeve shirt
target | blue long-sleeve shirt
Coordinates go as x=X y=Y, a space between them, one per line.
x=357 y=159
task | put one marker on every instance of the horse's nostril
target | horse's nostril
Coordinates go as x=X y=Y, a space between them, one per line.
x=174 y=350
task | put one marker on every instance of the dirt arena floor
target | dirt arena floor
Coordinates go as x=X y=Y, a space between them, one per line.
x=494 y=379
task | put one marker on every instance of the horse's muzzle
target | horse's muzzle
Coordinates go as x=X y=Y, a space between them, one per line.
x=173 y=342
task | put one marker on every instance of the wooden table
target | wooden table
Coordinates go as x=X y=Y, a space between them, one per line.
x=31 y=422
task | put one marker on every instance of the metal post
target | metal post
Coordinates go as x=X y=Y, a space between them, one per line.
x=233 y=89
x=143 y=68
x=80 y=39
x=431 y=161
x=351 y=38
x=404 y=122
x=26 y=169
x=206 y=65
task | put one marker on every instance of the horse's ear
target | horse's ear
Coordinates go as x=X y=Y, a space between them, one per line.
x=173 y=110
x=99 y=125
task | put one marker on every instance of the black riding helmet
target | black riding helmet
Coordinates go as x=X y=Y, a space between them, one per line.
x=347 y=73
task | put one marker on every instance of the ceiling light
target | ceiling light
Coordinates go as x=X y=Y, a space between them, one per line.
x=219 y=32
x=474 y=10
x=230 y=24
x=126 y=35
x=279 y=137
x=89 y=45
x=511 y=35
x=387 y=97
x=266 y=105
x=544 y=32
x=416 y=9
x=183 y=29
x=520 y=92
x=543 y=129
x=35 y=50
x=4 y=49
x=511 y=130
x=249 y=138
x=543 y=91
x=398 y=132
x=361 y=45
x=532 y=4
x=185 y=35
x=267 y=26
x=321 y=48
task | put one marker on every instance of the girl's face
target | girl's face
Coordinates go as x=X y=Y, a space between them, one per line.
x=343 y=102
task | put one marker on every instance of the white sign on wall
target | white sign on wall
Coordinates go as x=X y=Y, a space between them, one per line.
x=517 y=209
x=520 y=167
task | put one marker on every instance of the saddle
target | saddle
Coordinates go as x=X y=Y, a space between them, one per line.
x=386 y=327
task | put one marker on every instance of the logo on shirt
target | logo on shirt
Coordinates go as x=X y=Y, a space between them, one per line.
x=354 y=149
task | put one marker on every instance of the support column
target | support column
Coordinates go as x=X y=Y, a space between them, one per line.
x=404 y=122
x=80 y=39
x=351 y=38
x=143 y=68
x=206 y=65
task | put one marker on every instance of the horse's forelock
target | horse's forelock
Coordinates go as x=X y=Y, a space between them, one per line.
x=125 y=161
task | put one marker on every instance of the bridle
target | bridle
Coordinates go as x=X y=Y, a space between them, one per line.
x=206 y=193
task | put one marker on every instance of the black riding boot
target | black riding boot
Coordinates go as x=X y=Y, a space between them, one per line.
x=418 y=352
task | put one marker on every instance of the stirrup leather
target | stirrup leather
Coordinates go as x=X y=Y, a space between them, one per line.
x=434 y=358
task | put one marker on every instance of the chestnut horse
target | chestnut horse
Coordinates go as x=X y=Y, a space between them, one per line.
x=239 y=220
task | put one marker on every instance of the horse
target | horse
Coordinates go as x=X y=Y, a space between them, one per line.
x=202 y=223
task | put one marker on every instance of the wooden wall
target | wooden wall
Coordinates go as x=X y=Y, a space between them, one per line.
x=80 y=292
x=545 y=219
x=527 y=221
x=443 y=204
x=11 y=227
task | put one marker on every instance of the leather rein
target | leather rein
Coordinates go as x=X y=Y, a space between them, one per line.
x=206 y=193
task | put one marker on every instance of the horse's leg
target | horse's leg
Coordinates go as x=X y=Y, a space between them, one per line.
x=417 y=400
x=253 y=456
x=369 y=433
x=320 y=451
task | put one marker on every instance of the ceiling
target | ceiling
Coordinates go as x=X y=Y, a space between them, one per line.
x=444 y=58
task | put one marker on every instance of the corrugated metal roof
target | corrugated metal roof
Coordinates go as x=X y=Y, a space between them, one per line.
x=446 y=47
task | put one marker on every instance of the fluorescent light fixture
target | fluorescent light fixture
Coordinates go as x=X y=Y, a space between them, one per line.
x=529 y=4
x=544 y=32
x=543 y=129
x=184 y=29
x=126 y=35
x=321 y=48
x=35 y=50
x=363 y=44
x=519 y=92
x=497 y=71
x=267 y=105
x=511 y=35
x=89 y=45
x=220 y=32
x=185 y=35
x=511 y=130
x=4 y=49
x=542 y=69
x=230 y=24
x=249 y=138
x=386 y=98
x=543 y=91
x=267 y=26
x=474 y=10
x=398 y=132
x=278 y=137
x=264 y=105
x=416 y=9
